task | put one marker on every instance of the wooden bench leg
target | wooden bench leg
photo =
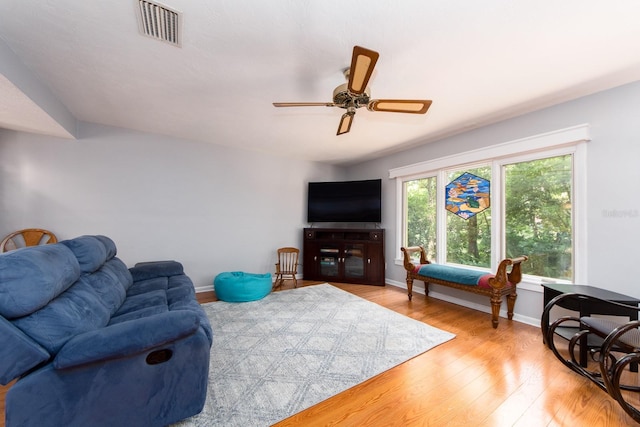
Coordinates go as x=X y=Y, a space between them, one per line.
x=511 y=302
x=496 y=301
x=409 y=286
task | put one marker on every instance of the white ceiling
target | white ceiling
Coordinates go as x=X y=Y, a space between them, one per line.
x=479 y=62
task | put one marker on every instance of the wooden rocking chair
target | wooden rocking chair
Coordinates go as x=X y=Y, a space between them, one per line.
x=287 y=266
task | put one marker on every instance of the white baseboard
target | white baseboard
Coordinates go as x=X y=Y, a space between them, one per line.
x=208 y=288
x=464 y=303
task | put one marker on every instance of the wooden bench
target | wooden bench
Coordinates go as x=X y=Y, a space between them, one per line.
x=495 y=286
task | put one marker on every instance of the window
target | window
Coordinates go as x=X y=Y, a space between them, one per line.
x=538 y=216
x=533 y=207
x=421 y=213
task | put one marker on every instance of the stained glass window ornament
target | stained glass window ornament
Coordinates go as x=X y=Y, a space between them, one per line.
x=467 y=195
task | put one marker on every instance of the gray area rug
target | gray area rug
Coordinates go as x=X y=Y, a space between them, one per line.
x=277 y=356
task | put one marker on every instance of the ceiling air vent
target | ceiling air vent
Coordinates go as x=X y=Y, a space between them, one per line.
x=160 y=22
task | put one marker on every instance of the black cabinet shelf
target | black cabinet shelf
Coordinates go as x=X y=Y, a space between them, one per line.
x=344 y=255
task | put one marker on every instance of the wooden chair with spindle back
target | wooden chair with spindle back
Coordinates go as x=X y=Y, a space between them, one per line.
x=287 y=266
x=27 y=237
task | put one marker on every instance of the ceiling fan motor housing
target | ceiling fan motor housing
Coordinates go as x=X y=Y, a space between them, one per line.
x=345 y=99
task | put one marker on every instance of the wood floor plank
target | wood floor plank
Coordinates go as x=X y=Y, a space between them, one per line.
x=484 y=377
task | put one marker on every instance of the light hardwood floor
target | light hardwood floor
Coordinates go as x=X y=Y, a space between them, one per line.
x=483 y=377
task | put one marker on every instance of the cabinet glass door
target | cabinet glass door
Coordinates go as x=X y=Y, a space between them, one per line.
x=354 y=261
x=329 y=261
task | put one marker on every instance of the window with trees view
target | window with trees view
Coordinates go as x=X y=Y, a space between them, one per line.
x=538 y=219
x=532 y=212
x=421 y=213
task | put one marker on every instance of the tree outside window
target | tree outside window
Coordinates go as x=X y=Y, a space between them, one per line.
x=421 y=214
x=538 y=216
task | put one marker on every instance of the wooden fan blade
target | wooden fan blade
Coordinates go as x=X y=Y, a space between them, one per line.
x=345 y=123
x=362 y=63
x=304 y=104
x=414 y=106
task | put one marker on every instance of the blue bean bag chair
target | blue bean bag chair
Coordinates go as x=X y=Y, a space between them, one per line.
x=238 y=286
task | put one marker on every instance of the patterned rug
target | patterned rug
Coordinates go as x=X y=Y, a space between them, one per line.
x=277 y=356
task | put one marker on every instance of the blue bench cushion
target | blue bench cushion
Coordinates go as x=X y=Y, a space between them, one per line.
x=462 y=276
x=238 y=286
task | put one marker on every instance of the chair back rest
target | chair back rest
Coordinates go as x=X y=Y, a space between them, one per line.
x=27 y=237
x=288 y=259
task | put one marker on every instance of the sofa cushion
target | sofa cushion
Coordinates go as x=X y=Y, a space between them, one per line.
x=89 y=250
x=141 y=305
x=117 y=267
x=32 y=277
x=109 y=245
x=144 y=286
x=77 y=310
x=137 y=302
x=138 y=314
x=180 y=293
x=107 y=288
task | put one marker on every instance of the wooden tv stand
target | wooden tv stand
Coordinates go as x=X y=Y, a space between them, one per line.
x=347 y=255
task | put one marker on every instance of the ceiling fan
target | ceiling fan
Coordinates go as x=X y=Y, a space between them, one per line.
x=355 y=93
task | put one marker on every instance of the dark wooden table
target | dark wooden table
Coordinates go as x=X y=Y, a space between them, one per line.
x=587 y=308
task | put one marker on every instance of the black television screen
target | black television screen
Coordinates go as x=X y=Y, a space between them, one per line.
x=345 y=201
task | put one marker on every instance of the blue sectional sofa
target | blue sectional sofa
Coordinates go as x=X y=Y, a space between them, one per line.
x=94 y=343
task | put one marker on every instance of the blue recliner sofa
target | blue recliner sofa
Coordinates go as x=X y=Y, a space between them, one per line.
x=94 y=343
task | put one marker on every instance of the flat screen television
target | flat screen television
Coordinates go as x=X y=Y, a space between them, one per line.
x=345 y=201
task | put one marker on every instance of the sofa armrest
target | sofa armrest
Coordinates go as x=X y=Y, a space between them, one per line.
x=18 y=352
x=151 y=270
x=126 y=338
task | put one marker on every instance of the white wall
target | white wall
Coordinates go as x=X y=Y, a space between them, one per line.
x=220 y=209
x=613 y=205
x=213 y=208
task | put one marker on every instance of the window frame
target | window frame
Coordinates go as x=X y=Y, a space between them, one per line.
x=561 y=142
